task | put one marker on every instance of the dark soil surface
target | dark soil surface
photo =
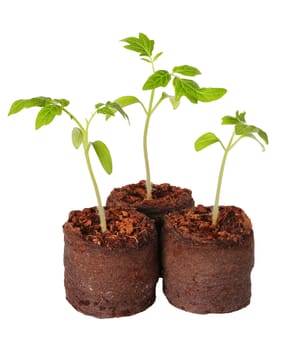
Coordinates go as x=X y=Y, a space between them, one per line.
x=233 y=225
x=164 y=197
x=125 y=227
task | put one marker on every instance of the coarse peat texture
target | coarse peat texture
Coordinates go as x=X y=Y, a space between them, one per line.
x=114 y=273
x=207 y=267
x=165 y=199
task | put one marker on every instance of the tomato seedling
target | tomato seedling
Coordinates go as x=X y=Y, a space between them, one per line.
x=50 y=108
x=161 y=79
x=241 y=130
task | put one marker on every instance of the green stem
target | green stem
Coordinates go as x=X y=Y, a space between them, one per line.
x=220 y=178
x=86 y=145
x=73 y=118
x=96 y=188
x=149 y=113
x=145 y=150
x=238 y=139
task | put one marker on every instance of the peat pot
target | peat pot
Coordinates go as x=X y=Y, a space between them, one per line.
x=207 y=268
x=112 y=274
x=165 y=199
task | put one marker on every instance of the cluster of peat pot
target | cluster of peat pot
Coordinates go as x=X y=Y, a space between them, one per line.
x=205 y=268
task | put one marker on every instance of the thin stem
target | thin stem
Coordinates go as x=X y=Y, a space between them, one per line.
x=73 y=118
x=86 y=146
x=100 y=205
x=152 y=64
x=145 y=150
x=149 y=113
x=157 y=104
x=234 y=144
x=220 y=178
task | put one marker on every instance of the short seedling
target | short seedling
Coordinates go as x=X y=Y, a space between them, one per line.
x=160 y=79
x=50 y=108
x=241 y=130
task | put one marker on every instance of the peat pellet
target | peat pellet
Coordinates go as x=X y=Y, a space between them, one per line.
x=206 y=268
x=114 y=273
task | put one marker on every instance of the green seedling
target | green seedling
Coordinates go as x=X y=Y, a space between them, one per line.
x=241 y=130
x=50 y=108
x=161 y=79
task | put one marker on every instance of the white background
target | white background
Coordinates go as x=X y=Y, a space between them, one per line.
x=72 y=50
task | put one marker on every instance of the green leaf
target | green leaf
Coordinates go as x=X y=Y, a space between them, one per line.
x=244 y=129
x=241 y=116
x=104 y=155
x=186 y=70
x=18 y=105
x=99 y=105
x=63 y=102
x=157 y=56
x=118 y=108
x=106 y=110
x=205 y=140
x=210 y=94
x=185 y=87
x=46 y=115
x=77 y=137
x=126 y=100
x=160 y=78
x=263 y=136
x=110 y=108
x=175 y=104
x=143 y=45
x=228 y=120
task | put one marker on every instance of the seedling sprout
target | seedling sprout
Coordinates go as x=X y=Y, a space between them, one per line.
x=161 y=79
x=241 y=130
x=50 y=108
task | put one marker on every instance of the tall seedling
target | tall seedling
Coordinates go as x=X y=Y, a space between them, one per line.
x=160 y=79
x=50 y=108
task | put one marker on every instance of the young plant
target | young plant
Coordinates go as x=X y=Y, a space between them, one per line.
x=241 y=130
x=161 y=79
x=50 y=108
